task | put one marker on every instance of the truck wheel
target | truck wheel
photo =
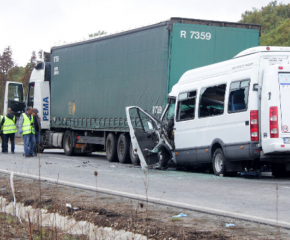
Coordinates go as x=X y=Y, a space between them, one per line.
x=218 y=162
x=123 y=148
x=134 y=157
x=68 y=143
x=111 y=148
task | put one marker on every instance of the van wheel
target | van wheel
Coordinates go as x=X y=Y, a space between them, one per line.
x=134 y=157
x=218 y=162
x=68 y=143
x=123 y=148
x=111 y=148
x=279 y=171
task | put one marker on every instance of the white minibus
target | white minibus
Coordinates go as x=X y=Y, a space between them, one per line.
x=232 y=115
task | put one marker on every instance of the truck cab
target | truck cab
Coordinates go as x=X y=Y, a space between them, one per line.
x=38 y=92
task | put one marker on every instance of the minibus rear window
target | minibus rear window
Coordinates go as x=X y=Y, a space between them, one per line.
x=238 y=96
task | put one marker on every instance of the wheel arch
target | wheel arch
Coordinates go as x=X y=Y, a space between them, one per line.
x=217 y=143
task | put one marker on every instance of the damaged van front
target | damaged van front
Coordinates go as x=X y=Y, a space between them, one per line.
x=152 y=138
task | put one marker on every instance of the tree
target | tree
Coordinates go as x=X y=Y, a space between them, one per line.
x=279 y=36
x=275 y=23
x=99 y=33
x=27 y=71
x=6 y=64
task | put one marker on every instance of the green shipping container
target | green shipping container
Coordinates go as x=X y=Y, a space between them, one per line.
x=93 y=81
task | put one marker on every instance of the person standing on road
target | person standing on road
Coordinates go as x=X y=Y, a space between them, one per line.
x=26 y=128
x=9 y=129
x=1 y=135
x=37 y=128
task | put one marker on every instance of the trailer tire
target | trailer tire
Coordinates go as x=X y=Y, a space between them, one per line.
x=134 y=157
x=111 y=147
x=123 y=148
x=68 y=143
x=219 y=162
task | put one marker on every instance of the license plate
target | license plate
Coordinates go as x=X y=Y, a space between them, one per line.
x=287 y=140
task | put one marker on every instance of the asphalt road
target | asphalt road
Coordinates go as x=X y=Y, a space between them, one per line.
x=263 y=200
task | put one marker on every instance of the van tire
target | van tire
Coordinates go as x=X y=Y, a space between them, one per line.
x=279 y=171
x=123 y=148
x=219 y=162
x=111 y=147
x=68 y=143
x=134 y=157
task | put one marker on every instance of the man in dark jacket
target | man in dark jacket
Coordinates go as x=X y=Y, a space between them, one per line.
x=37 y=128
x=9 y=129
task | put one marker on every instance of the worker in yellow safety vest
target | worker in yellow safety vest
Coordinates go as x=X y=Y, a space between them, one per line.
x=8 y=130
x=1 y=129
x=26 y=128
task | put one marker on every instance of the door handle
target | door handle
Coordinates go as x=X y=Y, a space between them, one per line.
x=269 y=95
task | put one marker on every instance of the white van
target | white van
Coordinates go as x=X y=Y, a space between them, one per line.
x=233 y=114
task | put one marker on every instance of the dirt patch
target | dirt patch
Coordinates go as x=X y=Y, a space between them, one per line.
x=19 y=141
x=152 y=220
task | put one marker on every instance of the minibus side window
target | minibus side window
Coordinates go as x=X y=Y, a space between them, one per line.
x=186 y=106
x=238 y=97
x=212 y=101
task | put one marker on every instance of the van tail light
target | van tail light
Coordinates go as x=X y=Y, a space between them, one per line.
x=254 y=124
x=274 y=133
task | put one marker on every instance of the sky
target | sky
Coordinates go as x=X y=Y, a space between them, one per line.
x=28 y=25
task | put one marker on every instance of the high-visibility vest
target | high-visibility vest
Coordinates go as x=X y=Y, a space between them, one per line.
x=9 y=126
x=27 y=127
x=1 y=117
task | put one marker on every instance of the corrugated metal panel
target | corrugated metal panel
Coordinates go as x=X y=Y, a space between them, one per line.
x=100 y=78
x=190 y=49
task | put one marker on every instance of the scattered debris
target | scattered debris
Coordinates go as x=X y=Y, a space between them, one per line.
x=230 y=225
x=112 y=166
x=68 y=205
x=251 y=173
x=103 y=211
x=2 y=189
x=180 y=215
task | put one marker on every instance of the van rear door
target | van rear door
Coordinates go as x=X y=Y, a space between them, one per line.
x=275 y=109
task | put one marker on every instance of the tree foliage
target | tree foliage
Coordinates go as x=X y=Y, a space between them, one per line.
x=28 y=69
x=275 y=22
x=6 y=66
x=9 y=71
x=96 y=34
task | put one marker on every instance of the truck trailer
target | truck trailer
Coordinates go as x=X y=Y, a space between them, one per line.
x=81 y=89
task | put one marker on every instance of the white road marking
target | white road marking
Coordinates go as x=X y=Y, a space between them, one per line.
x=246 y=217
